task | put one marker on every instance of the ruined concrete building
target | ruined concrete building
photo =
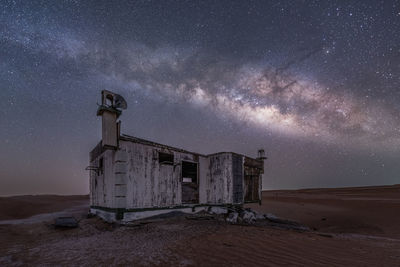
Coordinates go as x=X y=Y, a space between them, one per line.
x=132 y=178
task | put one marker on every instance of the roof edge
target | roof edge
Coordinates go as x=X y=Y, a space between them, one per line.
x=134 y=139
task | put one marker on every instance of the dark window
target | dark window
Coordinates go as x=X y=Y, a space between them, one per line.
x=164 y=158
x=189 y=172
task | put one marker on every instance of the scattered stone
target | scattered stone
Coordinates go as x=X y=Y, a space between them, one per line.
x=232 y=217
x=238 y=215
x=270 y=216
x=259 y=216
x=248 y=217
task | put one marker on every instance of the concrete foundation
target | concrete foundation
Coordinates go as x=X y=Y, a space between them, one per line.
x=128 y=216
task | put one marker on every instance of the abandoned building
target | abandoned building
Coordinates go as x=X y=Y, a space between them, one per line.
x=132 y=178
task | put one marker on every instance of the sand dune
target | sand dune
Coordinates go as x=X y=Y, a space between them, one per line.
x=353 y=227
x=360 y=210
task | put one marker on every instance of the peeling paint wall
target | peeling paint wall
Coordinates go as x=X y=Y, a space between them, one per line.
x=218 y=185
x=133 y=177
x=102 y=183
x=149 y=183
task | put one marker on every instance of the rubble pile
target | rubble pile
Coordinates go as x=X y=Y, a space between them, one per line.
x=247 y=216
x=238 y=215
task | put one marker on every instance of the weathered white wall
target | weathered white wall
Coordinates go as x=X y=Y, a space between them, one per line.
x=120 y=170
x=102 y=185
x=150 y=184
x=95 y=186
x=134 y=179
x=109 y=129
x=218 y=185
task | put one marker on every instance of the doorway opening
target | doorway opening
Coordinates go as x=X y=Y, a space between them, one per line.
x=251 y=184
x=190 y=186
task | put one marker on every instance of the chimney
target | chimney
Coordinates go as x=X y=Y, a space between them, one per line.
x=109 y=110
x=261 y=154
x=261 y=157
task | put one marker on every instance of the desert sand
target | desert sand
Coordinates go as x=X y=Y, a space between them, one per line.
x=349 y=227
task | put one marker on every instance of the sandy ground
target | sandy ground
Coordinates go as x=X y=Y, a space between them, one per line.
x=363 y=210
x=352 y=227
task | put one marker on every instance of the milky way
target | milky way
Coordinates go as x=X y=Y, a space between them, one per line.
x=314 y=83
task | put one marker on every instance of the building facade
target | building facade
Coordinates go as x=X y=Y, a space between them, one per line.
x=132 y=178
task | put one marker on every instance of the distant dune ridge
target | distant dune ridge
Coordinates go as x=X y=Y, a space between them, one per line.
x=362 y=210
x=20 y=207
x=351 y=227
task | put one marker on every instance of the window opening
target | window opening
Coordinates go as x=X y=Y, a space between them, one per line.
x=189 y=172
x=165 y=158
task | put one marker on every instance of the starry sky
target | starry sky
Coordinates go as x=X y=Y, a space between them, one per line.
x=314 y=83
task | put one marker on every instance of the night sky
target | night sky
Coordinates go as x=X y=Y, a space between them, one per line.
x=314 y=83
